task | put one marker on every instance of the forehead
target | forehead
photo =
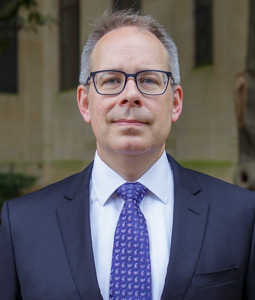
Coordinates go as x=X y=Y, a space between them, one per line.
x=129 y=48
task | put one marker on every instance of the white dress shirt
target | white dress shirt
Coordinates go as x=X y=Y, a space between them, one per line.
x=157 y=207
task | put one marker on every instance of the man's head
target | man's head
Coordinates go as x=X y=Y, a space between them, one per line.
x=131 y=120
x=118 y=19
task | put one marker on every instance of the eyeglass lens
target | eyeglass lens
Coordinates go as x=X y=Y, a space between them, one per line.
x=113 y=82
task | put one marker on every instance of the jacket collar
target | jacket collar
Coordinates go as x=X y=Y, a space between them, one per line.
x=189 y=222
x=74 y=221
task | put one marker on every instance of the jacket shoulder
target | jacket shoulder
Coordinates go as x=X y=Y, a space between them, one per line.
x=208 y=187
x=62 y=189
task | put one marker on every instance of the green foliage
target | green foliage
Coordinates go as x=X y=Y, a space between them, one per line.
x=12 y=185
x=30 y=20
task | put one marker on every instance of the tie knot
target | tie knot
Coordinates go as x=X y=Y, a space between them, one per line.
x=135 y=191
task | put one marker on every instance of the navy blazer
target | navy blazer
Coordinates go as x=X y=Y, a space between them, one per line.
x=46 y=250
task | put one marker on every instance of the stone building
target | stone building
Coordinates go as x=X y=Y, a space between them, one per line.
x=41 y=130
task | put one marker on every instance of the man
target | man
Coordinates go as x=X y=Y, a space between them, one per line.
x=134 y=224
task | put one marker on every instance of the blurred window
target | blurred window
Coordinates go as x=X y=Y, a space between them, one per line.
x=124 y=4
x=203 y=32
x=8 y=54
x=69 y=44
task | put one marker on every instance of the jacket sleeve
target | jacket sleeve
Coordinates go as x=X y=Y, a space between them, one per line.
x=9 y=284
x=249 y=284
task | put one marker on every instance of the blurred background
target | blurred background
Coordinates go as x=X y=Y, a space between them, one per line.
x=41 y=131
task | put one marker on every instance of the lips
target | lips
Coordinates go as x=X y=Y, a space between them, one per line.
x=129 y=122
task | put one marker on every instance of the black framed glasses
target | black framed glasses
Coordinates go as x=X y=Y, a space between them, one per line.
x=113 y=82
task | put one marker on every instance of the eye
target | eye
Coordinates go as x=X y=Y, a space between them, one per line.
x=112 y=80
x=149 y=79
x=109 y=79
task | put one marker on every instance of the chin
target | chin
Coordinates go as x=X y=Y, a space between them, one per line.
x=132 y=149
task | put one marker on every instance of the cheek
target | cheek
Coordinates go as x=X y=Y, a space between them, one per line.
x=164 y=119
x=98 y=116
x=163 y=112
x=95 y=111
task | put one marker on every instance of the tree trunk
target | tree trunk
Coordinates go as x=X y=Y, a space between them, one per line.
x=244 y=100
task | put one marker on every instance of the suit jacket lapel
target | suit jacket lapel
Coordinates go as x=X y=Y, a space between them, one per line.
x=190 y=216
x=189 y=222
x=74 y=222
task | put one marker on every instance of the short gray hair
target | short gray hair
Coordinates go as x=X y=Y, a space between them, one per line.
x=122 y=18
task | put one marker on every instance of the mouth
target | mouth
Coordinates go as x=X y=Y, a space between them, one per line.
x=127 y=122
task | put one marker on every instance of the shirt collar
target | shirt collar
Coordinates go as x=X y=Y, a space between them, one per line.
x=158 y=179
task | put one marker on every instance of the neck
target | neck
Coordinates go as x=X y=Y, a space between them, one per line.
x=130 y=167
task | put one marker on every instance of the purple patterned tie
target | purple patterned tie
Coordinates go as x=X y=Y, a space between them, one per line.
x=131 y=268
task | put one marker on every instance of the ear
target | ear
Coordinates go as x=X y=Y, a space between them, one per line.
x=83 y=103
x=177 y=103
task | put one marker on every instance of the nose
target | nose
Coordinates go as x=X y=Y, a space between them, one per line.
x=130 y=96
